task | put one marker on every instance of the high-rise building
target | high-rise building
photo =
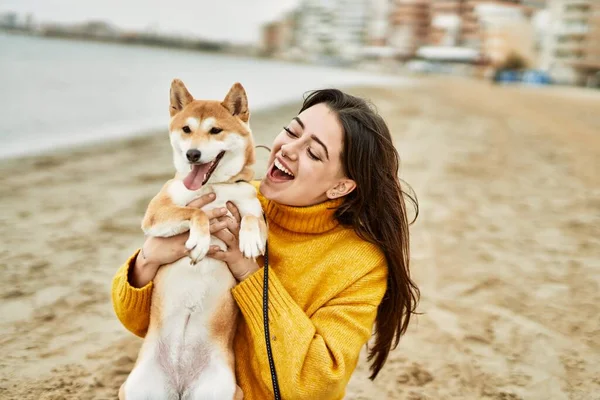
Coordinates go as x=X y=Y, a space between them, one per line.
x=279 y=37
x=314 y=32
x=571 y=51
x=409 y=25
x=350 y=27
x=506 y=32
x=378 y=23
x=448 y=22
x=535 y=4
x=333 y=28
x=469 y=32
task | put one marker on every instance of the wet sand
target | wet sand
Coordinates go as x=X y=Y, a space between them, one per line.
x=506 y=249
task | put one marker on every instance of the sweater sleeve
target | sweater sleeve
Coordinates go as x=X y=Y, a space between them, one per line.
x=314 y=355
x=132 y=305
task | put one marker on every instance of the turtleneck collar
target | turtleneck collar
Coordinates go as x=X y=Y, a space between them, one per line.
x=318 y=218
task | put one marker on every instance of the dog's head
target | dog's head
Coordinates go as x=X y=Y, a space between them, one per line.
x=211 y=140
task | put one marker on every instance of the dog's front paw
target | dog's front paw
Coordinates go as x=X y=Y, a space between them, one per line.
x=252 y=237
x=198 y=244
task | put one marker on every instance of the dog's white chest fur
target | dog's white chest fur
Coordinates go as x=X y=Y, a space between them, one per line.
x=186 y=289
x=193 y=287
x=186 y=347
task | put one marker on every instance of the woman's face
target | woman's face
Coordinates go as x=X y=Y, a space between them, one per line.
x=305 y=164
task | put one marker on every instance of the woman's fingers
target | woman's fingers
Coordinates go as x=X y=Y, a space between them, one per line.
x=232 y=225
x=227 y=237
x=216 y=213
x=213 y=249
x=216 y=225
x=162 y=251
x=202 y=200
x=218 y=254
x=234 y=211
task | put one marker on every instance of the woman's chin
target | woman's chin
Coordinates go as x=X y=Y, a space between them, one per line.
x=267 y=189
x=273 y=190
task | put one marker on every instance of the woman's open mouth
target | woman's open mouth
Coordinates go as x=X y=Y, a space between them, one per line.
x=279 y=173
x=200 y=173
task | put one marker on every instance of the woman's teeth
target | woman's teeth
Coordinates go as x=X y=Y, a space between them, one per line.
x=282 y=168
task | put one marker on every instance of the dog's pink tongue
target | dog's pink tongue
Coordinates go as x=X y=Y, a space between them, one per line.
x=196 y=176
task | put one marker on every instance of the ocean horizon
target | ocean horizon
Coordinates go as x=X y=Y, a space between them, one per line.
x=59 y=93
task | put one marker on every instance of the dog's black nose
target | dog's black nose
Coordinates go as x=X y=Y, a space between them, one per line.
x=193 y=155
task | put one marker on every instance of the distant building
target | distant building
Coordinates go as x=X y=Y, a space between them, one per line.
x=455 y=22
x=505 y=30
x=378 y=23
x=535 y=4
x=470 y=32
x=409 y=25
x=350 y=27
x=571 y=51
x=333 y=29
x=271 y=38
x=9 y=20
x=446 y=24
x=315 y=32
x=280 y=38
x=98 y=29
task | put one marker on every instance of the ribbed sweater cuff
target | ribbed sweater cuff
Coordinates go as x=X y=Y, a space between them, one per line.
x=249 y=296
x=131 y=298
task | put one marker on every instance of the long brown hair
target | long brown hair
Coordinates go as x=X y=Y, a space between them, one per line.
x=376 y=210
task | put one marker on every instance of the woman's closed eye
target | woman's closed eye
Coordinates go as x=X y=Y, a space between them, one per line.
x=312 y=155
x=290 y=132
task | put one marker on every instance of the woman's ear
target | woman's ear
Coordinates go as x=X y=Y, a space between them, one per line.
x=342 y=188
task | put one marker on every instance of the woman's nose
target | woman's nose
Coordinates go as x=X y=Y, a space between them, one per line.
x=288 y=151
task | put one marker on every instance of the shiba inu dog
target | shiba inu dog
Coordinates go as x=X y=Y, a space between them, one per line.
x=188 y=350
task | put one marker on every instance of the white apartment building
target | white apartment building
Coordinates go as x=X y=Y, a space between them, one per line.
x=378 y=22
x=351 y=19
x=571 y=49
x=336 y=28
x=314 y=30
x=505 y=29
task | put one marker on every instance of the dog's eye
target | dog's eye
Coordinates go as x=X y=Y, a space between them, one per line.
x=214 y=131
x=186 y=129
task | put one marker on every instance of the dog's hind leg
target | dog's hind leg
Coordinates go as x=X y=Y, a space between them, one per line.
x=148 y=381
x=217 y=382
x=122 y=392
x=239 y=394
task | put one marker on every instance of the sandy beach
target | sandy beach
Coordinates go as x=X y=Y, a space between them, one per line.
x=506 y=249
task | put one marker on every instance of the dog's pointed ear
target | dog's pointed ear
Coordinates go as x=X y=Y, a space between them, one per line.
x=180 y=97
x=237 y=102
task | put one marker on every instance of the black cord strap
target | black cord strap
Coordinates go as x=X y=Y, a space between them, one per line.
x=266 y=321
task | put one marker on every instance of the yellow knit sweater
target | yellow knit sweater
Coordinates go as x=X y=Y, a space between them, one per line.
x=325 y=284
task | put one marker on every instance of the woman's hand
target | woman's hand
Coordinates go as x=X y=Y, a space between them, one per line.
x=240 y=267
x=158 y=251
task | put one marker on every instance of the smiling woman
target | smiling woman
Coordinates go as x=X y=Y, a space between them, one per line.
x=309 y=147
x=338 y=255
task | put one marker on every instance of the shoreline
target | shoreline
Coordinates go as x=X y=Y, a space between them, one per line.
x=76 y=108
x=141 y=40
x=154 y=136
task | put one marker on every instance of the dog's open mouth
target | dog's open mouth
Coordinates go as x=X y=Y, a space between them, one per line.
x=200 y=173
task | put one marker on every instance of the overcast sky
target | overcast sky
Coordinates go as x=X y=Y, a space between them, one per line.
x=233 y=20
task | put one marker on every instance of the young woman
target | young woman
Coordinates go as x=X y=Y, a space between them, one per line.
x=338 y=255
